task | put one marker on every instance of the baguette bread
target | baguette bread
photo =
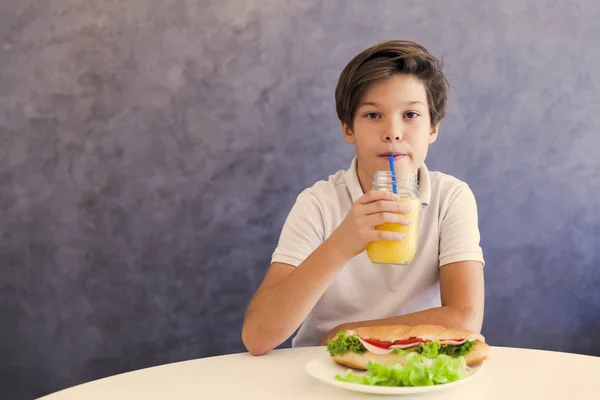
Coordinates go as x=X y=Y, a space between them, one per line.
x=401 y=332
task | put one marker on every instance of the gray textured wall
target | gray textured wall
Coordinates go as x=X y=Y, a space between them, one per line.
x=150 y=150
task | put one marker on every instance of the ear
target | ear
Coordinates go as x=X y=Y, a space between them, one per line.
x=434 y=133
x=348 y=134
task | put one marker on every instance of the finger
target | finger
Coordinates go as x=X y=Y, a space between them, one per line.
x=386 y=217
x=375 y=195
x=376 y=235
x=386 y=206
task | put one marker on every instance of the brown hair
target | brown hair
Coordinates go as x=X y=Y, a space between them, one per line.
x=383 y=60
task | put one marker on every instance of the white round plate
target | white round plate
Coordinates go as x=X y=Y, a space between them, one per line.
x=324 y=369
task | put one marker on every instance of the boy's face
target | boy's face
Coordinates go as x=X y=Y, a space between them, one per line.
x=391 y=118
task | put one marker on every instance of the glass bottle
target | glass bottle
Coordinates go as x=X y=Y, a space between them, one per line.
x=390 y=251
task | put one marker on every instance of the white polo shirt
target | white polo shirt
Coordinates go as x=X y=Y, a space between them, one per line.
x=363 y=290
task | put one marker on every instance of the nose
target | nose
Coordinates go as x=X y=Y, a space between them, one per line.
x=393 y=138
x=393 y=131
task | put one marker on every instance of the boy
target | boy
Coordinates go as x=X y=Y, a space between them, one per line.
x=390 y=99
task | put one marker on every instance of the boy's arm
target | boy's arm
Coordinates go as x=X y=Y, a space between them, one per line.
x=286 y=297
x=288 y=294
x=462 y=293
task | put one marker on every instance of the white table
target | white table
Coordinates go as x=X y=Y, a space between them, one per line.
x=508 y=374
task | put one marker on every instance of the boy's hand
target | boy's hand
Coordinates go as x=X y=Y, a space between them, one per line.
x=372 y=209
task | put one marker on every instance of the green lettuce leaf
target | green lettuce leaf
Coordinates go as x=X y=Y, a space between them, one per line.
x=457 y=351
x=343 y=344
x=401 y=352
x=431 y=349
x=417 y=371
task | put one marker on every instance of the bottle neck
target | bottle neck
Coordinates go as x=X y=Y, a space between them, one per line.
x=405 y=183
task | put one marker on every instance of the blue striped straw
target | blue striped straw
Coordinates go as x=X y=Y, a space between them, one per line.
x=394 y=187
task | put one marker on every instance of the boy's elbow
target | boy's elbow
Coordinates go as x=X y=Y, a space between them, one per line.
x=253 y=343
x=472 y=319
x=467 y=318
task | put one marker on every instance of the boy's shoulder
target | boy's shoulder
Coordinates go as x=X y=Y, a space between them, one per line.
x=445 y=186
x=329 y=188
x=443 y=179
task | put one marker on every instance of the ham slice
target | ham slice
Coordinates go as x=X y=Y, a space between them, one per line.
x=379 y=350
x=453 y=342
x=404 y=346
x=374 y=349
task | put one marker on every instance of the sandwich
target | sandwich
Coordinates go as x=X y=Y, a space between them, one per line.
x=390 y=345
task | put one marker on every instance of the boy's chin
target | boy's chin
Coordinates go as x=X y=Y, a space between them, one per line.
x=406 y=168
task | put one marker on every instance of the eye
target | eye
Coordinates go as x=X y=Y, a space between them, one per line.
x=372 y=115
x=411 y=115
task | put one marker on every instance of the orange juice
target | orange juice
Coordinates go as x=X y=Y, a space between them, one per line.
x=398 y=252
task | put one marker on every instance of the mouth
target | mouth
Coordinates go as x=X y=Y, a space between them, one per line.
x=397 y=155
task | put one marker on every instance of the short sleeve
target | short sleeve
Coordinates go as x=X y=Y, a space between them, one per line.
x=459 y=230
x=303 y=231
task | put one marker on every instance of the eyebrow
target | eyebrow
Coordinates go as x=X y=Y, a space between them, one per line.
x=372 y=103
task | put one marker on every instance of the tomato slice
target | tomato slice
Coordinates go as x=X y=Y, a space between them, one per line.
x=383 y=345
